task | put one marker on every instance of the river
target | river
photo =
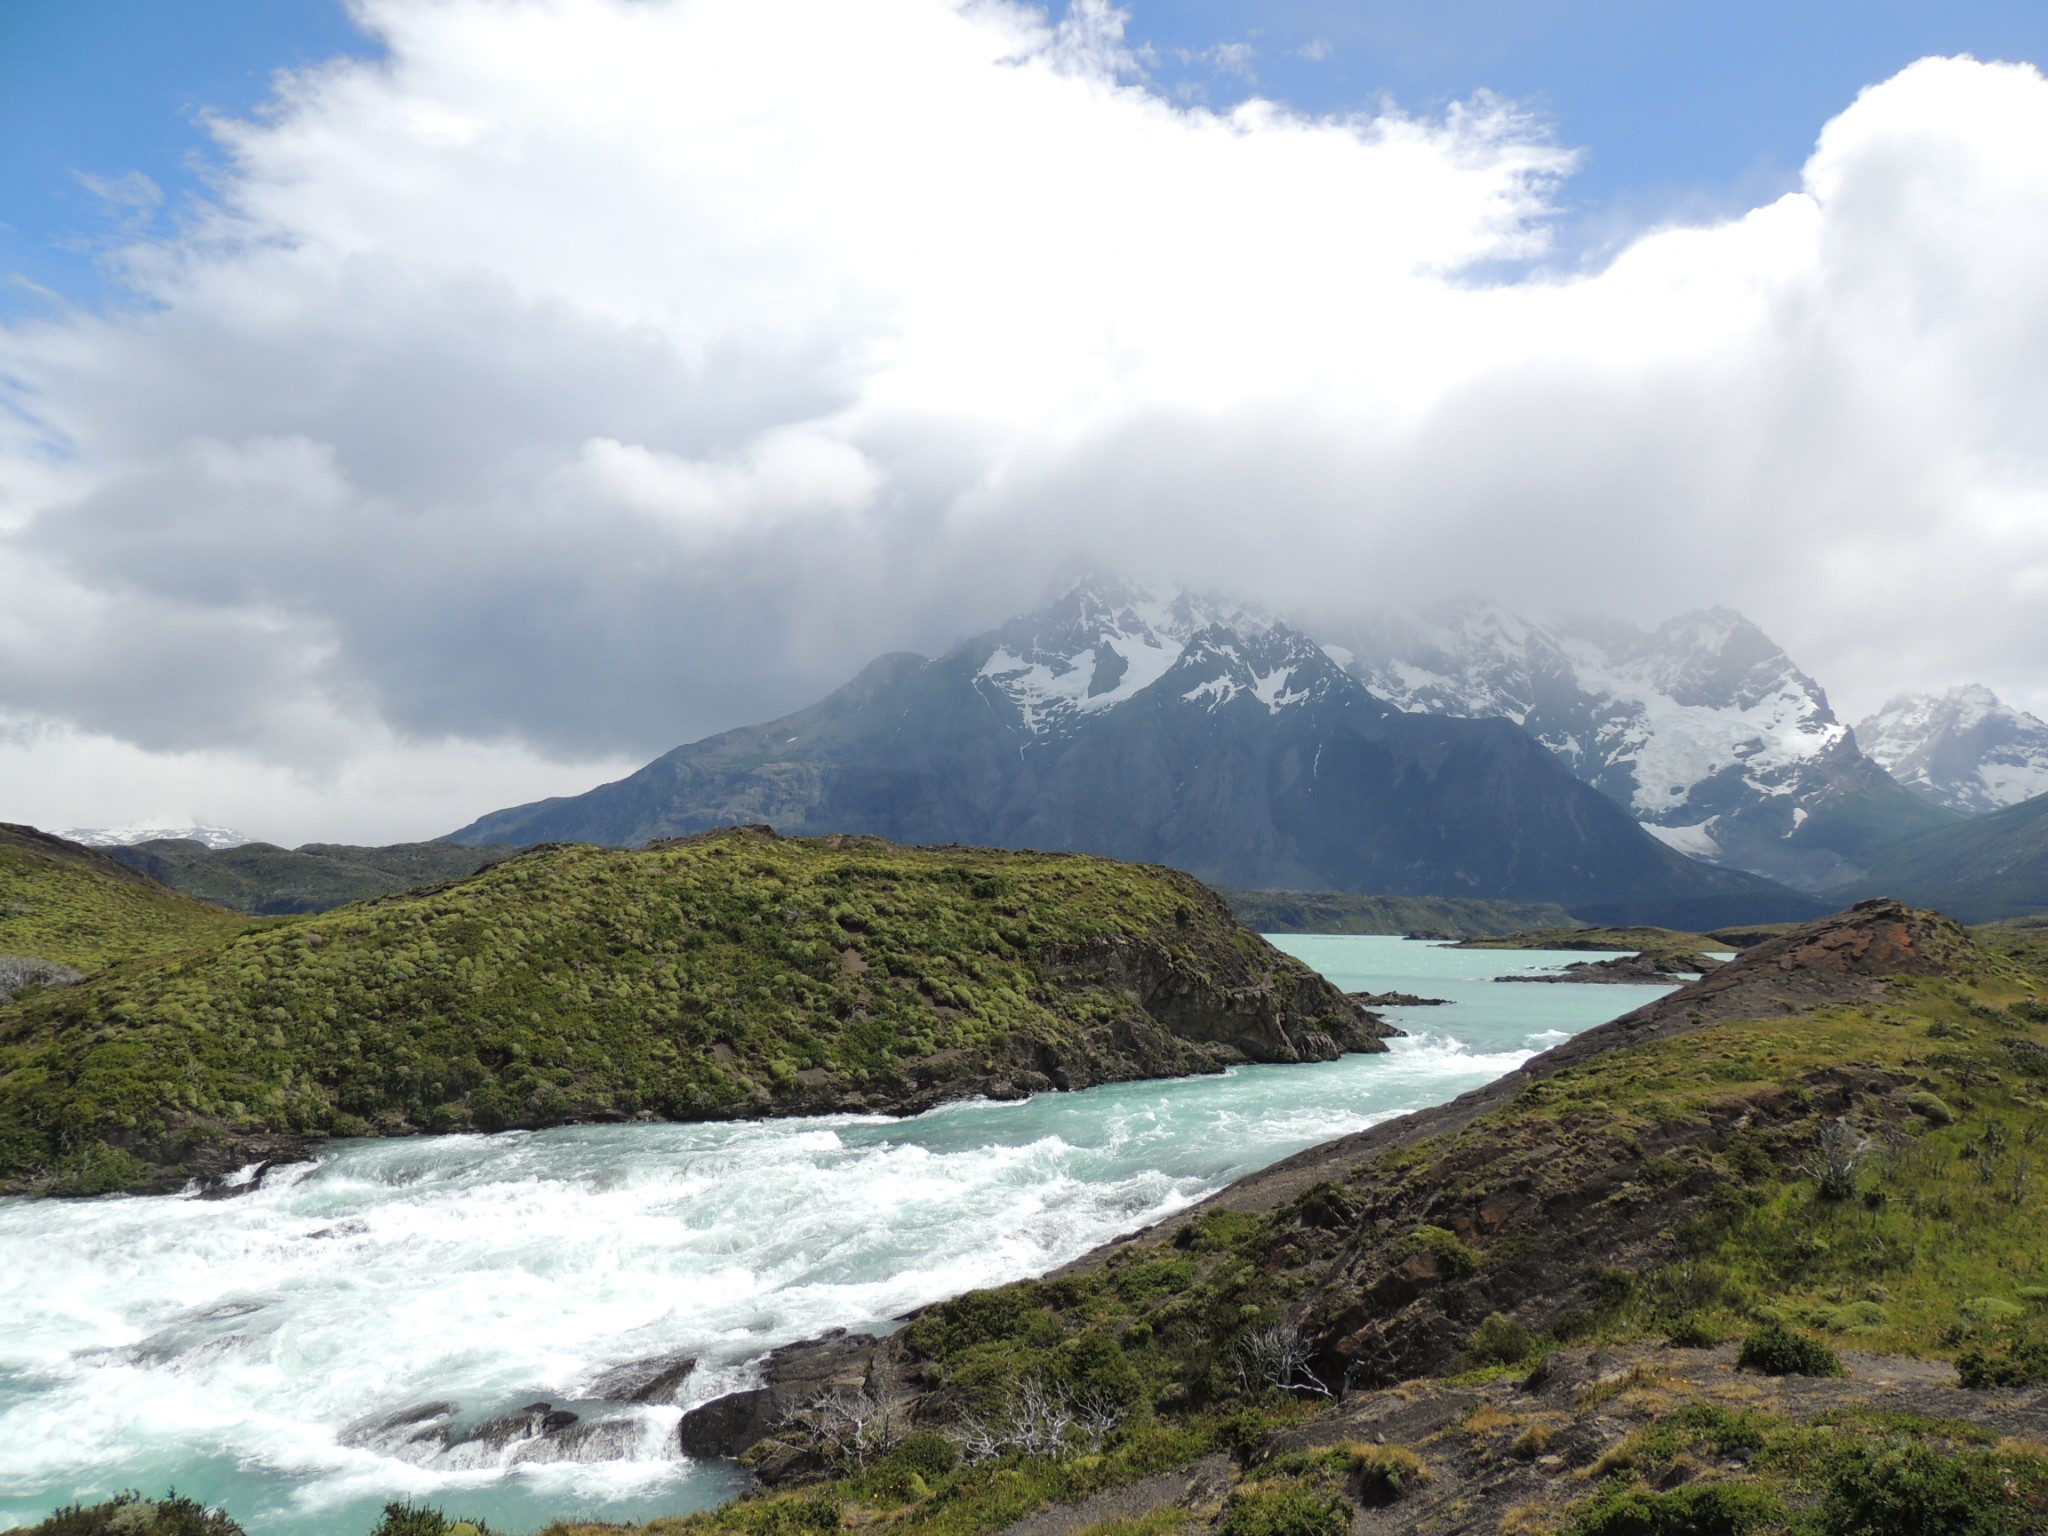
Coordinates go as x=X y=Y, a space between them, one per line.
x=227 y=1347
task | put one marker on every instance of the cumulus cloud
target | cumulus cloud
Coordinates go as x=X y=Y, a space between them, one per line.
x=587 y=375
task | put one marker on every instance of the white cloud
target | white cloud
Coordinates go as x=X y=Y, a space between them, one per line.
x=591 y=374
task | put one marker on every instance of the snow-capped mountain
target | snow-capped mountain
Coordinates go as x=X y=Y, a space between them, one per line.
x=1703 y=728
x=1106 y=642
x=1963 y=749
x=151 y=831
x=1174 y=729
x=1102 y=643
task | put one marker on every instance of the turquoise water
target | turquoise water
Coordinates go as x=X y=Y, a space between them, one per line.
x=227 y=1347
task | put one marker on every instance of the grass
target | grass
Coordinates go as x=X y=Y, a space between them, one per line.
x=737 y=975
x=70 y=905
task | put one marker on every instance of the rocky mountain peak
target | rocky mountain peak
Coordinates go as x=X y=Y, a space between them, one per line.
x=1278 y=668
x=1714 y=658
x=1965 y=748
x=1099 y=644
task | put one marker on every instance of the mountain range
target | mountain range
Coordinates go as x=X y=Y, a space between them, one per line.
x=1702 y=728
x=1173 y=729
x=153 y=831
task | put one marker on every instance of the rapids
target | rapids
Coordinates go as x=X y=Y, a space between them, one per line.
x=242 y=1351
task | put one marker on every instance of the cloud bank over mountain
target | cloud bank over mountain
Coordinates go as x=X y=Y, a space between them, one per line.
x=587 y=375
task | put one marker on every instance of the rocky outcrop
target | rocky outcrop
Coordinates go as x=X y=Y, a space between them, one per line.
x=1628 y=970
x=792 y=1378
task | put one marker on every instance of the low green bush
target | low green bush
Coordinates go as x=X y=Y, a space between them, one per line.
x=1907 y=1488
x=409 y=1519
x=1448 y=1248
x=1499 y=1340
x=1285 y=1506
x=2017 y=1362
x=1932 y=1108
x=1627 y=1508
x=1775 y=1350
x=927 y=1454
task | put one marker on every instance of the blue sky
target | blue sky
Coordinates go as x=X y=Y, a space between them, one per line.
x=1685 y=110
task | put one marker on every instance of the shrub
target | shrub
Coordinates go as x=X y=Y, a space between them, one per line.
x=1284 y=1506
x=1932 y=1108
x=409 y=1519
x=1700 y=1509
x=1692 y=1331
x=1380 y=1474
x=927 y=1454
x=1246 y=1431
x=129 y=1514
x=2015 y=1363
x=1500 y=1340
x=1775 y=1350
x=1448 y=1249
x=1907 y=1488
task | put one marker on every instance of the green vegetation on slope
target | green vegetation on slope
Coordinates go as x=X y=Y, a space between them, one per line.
x=264 y=880
x=735 y=974
x=1980 y=869
x=1865 y=1175
x=2021 y=939
x=77 y=907
x=1344 y=912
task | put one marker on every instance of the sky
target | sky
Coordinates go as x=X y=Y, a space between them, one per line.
x=424 y=406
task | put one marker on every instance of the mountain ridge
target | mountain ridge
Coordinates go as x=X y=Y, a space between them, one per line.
x=1703 y=728
x=1187 y=732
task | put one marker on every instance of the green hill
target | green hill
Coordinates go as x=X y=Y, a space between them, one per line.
x=77 y=907
x=1979 y=870
x=735 y=974
x=1348 y=912
x=262 y=879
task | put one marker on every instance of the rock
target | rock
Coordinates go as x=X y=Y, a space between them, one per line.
x=1395 y=1000
x=528 y=1423
x=409 y=1433
x=654 y=1380
x=791 y=1378
x=1628 y=970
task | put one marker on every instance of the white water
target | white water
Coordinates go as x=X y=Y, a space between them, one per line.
x=225 y=1347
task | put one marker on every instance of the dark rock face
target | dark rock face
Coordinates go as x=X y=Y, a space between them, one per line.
x=793 y=1377
x=1248 y=758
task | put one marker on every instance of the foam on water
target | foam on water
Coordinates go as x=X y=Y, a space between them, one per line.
x=252 y=1351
